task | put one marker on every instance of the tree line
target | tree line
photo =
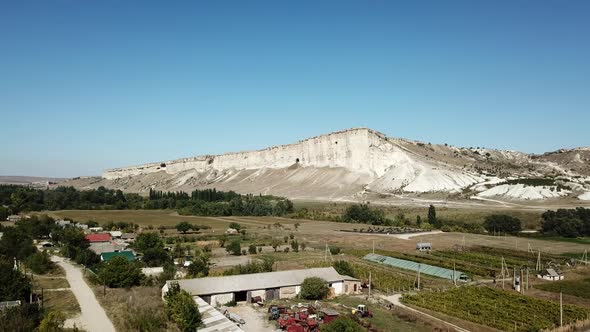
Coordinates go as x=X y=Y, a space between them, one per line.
x=566 y=222
x=209 y=202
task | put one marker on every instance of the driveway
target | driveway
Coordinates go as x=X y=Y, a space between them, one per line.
x=92 y=317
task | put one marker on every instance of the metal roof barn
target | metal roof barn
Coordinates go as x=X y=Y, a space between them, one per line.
x=245 y=282
x=431 y=270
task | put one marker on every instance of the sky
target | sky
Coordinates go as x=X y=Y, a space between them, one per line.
x=91 y=85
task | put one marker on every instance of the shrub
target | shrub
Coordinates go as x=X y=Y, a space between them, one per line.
x=145 y=320
x=364 y=214
x=342 y=324
x=53 y=322
x=235 y=226
x=314 y=288
x=334 y=250
x=252 y=249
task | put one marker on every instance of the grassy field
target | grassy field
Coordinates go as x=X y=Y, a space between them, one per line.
x=129 y=308
x=62 y=300
x=496 y=308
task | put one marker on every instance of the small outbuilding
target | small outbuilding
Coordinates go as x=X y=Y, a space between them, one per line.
x=424 y=246
x=550 y=274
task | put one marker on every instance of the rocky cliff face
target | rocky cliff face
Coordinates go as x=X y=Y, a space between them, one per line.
x=354 y=163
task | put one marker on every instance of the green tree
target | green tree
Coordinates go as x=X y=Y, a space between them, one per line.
x=182 y=309
x=342 y=324
x=432 y=216
x=199 y=267
x=16 y=243
x=40 y=262
x=234 y=247
x=235 y=226
x=13 y=284
x=24 y=318
x=156 y=257
x=314 y=288
x=119 y=273
x=501 y=223
x=3 y=213
x=145 y=241
x=295 y=245
x=276 y=243
x=183 y=227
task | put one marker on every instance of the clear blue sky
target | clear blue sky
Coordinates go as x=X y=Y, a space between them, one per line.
x=89 y=85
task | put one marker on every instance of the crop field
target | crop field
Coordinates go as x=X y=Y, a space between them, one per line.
x=497 y=308
x=579 y=288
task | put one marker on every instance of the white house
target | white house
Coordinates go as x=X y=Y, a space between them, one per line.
x=550 y=274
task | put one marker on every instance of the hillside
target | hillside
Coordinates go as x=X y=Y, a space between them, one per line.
x=361 y=163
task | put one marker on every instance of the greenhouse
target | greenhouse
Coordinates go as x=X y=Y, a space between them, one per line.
x=431 y=270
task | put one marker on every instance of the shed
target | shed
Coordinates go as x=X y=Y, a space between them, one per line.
x=434 y=271
x=550 y=274
x=128 y=236
x=98 y=237
x=107 y=256
x=424 y=246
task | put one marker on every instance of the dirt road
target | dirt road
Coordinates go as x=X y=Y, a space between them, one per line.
x=93 y=317
x=395 y=299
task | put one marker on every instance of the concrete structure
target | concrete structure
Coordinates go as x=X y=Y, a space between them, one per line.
x=269 y=285
x=550 y=274
x=95 y=229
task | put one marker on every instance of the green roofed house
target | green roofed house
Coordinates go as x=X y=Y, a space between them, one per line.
x=106 y=256
x=431 y=270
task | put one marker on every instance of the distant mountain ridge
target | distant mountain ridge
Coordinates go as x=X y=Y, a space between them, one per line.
x=357 y=163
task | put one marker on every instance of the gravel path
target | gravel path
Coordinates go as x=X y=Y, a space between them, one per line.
x=93 y=317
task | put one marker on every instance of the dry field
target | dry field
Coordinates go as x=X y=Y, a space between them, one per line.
x=318 y=233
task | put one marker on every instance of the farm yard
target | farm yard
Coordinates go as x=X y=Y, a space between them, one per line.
x=326 y=242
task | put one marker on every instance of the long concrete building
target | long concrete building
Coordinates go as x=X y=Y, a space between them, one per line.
x=269 y=285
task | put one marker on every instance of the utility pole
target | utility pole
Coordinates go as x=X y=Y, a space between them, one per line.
x=419 y=276
x=454 y=278
x=373 y=247
x=527 y=278
x=561 y=308
x=369 y=283
x=538 y=267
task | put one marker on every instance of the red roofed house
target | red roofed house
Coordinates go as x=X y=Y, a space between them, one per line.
x=98 y=237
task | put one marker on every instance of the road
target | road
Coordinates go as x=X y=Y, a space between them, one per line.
x=93 y=317
x=395 y=299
